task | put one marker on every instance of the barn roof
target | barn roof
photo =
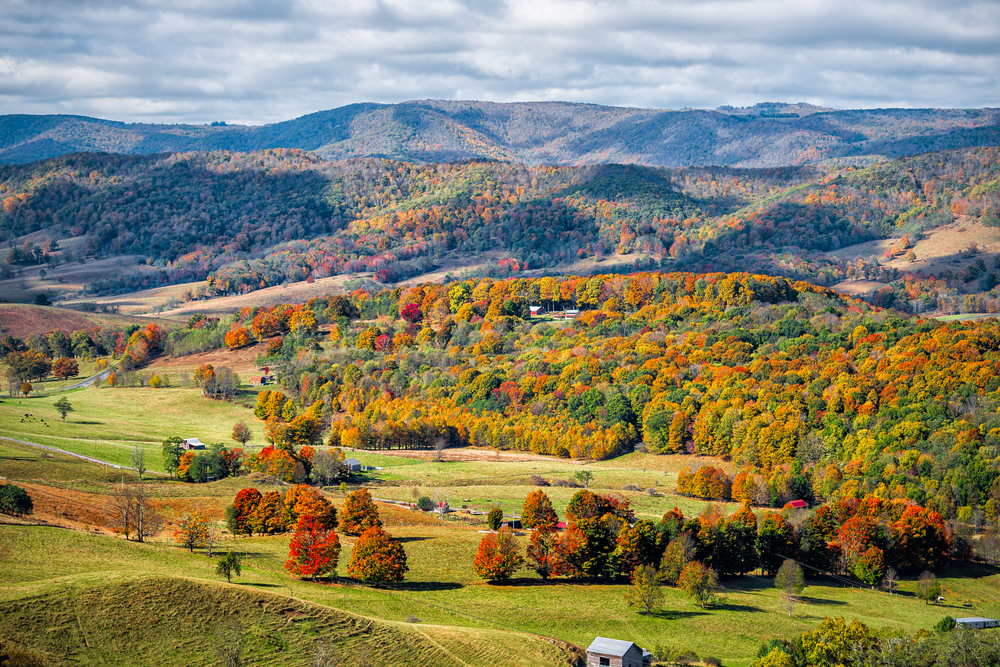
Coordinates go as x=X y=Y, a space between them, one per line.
x=606 y=646
x=975 y=619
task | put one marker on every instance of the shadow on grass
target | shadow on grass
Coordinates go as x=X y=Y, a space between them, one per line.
x=74 y=421
x=820 y=602
x=426 y=586
x=728 y=606
x=673 y=614
x=412 y=539
x=258 y=585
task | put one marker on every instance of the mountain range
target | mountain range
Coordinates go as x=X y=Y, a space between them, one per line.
x=534 y=133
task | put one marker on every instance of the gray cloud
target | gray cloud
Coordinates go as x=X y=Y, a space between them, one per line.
x=264 y=61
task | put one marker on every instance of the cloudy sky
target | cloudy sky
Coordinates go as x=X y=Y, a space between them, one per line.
x=260 y=61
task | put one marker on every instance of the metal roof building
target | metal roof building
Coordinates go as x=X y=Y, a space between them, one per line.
x=616 y=653
x=978 y=622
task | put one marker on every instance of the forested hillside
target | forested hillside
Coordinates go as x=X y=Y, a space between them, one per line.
x=767 y=135
x=251 y=220
x=811 y=394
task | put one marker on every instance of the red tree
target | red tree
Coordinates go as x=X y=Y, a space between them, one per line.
x=246 y=503
x=498 y=556
x=411 y=313
x=314 y=549
x=64 y=367
x=922 y=541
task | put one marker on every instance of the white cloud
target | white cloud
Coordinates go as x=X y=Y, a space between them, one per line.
x=264 y=60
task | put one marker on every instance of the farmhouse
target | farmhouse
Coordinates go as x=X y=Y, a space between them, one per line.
x=977 y=622
x=192 y=443
x=616 y=653
x=353 y=465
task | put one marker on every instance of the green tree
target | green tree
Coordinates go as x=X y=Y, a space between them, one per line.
x=790 y=581
x=495 y=518
x=63 y=406
x=585 y=477
x=928 y=587
x=645 y=593
x=229 y=565
x=14 y=500
x=172 y=454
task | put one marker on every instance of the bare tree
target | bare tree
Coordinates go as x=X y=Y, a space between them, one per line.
x=130 y=510
x=139 y=460
x=439 y=447
x=890 y=580
x=230 y=644
x=325 y=655
x=790 y=581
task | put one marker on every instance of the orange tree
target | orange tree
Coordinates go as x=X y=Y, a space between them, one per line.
x=64 y=367
x=314 y=549
x=498 y=556
x=267 y=518
x=305 y=501
x=543 y=553
x=191 y=530
x=537 y=512
x=237 y=338
x=359 y=513
x=377 y=558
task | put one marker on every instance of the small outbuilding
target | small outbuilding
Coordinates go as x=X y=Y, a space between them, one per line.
x=192 y=443
x=978 y=622
x=797 y=504
x=353 y=465
x=616 y=653
x=536 y=311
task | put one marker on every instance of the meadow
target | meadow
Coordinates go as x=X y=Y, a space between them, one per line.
x=462 y=619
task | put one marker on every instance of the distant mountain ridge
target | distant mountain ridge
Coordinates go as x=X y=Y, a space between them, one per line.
x=562 y=133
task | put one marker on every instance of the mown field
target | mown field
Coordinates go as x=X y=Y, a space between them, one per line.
x=54 y=569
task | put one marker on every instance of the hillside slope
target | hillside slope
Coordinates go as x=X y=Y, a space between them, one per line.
x=766 y=135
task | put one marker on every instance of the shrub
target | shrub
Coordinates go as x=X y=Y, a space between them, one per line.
x=425 y=503
x=631 y=487
x=14 y=500
x=538 y=480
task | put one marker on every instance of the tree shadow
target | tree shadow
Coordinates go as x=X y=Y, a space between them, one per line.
x=412 y=539
x=259 y=585
x=425 y=586
x=74 y=421
x=820 y=602
x=728 y=606
x=673 y=614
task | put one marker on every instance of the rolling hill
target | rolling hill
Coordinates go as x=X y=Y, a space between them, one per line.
x=766 y=135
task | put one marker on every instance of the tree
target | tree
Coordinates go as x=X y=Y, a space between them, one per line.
x=645 y=593
x=302 y=500
x=359 y=513
x=191 y=529
x=237 y=338
x=700 y=583
x=585 y=477
x=268 y=515
x=377 y=558
x=229 y=565
x=314 y=549
x=172 y=454
x=25 y=388
x=230 y=644
x=139 y=460
x=928 y=588
x=498 y=556
x=676 y=557
x=130 y=510
x=537 y=512
x=63 y=406
x=790 y=581
x=242 y=433
x=921 y=540
x=775 y=541
x=835 y=642
x=494 y=519
x=245 y=504
x=64 y=368
x=890 y=580
x=14 y=500
x=543 y=553
x=870 y=568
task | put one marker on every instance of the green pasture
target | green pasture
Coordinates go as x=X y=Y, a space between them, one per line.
x=107 y=423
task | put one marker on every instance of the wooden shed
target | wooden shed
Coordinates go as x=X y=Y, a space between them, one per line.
x=616 y=653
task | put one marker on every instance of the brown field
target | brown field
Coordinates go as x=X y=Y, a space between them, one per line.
x=20 y=320
x=240 y=361
x=857 y=287
x=942 y=249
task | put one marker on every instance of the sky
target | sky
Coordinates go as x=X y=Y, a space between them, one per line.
x=263 y=61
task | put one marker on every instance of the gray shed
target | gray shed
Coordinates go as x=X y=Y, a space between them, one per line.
x=616 y=653
x=353 y=465
x=978 y=622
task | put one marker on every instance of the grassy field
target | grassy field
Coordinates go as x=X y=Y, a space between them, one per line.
x=43 y=564
x=107 y=423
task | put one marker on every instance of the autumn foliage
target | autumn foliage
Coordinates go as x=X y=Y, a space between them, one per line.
x=498 y=556
x=314 y=549
x=377 y=558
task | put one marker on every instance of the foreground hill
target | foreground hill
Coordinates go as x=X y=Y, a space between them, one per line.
x=767 y=135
